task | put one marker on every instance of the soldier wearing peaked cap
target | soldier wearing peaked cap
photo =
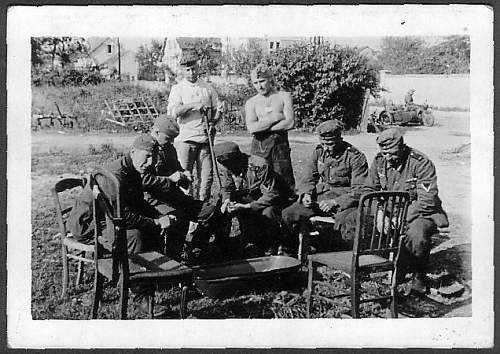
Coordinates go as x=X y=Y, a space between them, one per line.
x=398 y=167
x=334 y=168
x=251 y=192
x=188 y=102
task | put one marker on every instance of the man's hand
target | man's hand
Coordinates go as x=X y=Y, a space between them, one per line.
x=225 y=206
x=233 y=207
x=176 y=176
x=165 y=221
x=186 y=175
x=328 y=205
x=307 y=200
x=198 y=106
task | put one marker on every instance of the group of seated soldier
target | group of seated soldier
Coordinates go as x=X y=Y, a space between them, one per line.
x=335 y=177
x=157 y=211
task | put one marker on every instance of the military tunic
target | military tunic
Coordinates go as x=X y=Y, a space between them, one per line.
x=336 y=173
x=417 y=176
x=256 y=185
x=327 y=176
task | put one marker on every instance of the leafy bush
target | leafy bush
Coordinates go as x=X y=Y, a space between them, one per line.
x=412 y=55
x=65 y=76
x=325 y=81
x=87 y=102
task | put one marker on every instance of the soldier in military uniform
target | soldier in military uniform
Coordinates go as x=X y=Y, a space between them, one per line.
x=251 y=192
x=398 y=167
x=174 y=201
x=333 y=169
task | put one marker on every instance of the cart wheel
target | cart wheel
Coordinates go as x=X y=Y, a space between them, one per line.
x=385 y=118
x=428 y=119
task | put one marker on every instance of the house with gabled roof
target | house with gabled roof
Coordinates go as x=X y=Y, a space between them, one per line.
x=103 y=51
x=176 y=47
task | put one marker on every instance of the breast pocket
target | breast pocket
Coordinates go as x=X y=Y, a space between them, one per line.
x=340 y=172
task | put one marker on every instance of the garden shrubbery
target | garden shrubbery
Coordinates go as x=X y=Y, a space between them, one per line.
x=326 y=82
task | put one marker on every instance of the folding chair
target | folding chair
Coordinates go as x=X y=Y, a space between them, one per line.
x=380 y=225
x=70 y=248
x=122 y=269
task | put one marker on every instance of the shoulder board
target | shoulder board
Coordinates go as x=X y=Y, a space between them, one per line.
x=417 y=155
x=257 y=161
x=352 y=149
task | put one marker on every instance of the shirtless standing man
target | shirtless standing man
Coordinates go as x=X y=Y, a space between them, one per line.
x=269 y=116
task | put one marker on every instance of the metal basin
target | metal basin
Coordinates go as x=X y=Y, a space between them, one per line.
x=221 y=279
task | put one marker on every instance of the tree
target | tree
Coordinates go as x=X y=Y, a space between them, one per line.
x=149 y=58
x=57 y=50
x=243 y=59
x=402 y=55
x=326 y=82
x=411 y=55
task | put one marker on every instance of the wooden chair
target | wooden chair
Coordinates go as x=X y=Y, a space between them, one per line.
x=70 y=248
x=376 y=247
x=122 y=269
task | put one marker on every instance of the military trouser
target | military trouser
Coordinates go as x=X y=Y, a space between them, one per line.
x=185 y=208
x=296 y=219
x=274 y=147
x=261 y=228
x=416 y=244
x=190 y=152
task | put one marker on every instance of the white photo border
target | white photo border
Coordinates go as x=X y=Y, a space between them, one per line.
x=24 y=22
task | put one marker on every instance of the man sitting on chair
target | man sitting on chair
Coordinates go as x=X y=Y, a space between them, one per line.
x=398 y=167
x=334 y=167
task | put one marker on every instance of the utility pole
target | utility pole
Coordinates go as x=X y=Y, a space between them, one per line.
x=119 y=60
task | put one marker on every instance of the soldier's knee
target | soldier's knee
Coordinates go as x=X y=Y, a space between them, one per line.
x=418 y=236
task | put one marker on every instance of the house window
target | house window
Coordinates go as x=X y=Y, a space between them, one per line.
x=277 y=45
x=271 y=45
x=109 y=48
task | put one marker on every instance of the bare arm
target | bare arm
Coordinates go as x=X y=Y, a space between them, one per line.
x=289 y=121
x=253 y=124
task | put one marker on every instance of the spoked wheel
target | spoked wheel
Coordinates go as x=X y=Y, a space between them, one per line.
x=428 y=118
x=385 y=118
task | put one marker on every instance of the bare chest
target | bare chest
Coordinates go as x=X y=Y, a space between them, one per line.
x=267 y=105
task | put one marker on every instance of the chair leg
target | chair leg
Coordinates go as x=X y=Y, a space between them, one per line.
x=183 y=305
x=123 y=298
x=98 y=289
x=151 y=305
x=310 y=273
x=79 y=274
x=394 y=296
x=355 y=294
x=65 y=274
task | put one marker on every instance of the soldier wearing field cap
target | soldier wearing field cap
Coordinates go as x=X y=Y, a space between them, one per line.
x=251 y=192
x=173 y=201
x=188 y=102
x=335 y=166
x=398 y=167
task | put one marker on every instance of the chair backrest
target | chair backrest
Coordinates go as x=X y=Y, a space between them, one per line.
x=62 y=212
x=109 y=228
x=381 y=221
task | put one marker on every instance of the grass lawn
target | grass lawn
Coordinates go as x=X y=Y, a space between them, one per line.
x=284 y=300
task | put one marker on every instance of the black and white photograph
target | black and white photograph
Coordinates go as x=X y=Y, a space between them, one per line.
x=250 y=176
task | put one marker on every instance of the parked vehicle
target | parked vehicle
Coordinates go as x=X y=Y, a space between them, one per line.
x=404 y=115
